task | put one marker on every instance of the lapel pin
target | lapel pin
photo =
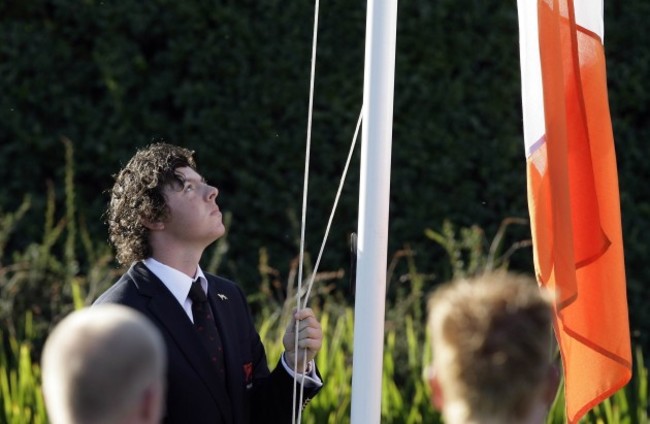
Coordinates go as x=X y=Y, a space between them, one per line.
x=222 y=296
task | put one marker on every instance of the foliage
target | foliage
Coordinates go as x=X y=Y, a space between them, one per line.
x=20 y=380
x=45 y=279
x=467 y=255
x=230 y=80
x=405 y=394
x=405 y=398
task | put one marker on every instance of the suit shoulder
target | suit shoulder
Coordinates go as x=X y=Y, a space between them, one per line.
x=120 y=292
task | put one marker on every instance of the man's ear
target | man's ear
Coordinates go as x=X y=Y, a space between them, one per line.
x=152 y=225
x=151 y=406
x=437 y=399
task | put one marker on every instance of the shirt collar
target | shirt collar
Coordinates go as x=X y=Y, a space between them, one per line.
x=176 y=281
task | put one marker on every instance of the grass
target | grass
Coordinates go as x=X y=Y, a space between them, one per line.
x=405 y=398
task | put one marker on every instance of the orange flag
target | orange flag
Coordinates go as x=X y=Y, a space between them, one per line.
x=573 y=194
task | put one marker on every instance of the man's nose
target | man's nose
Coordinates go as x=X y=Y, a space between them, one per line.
x=213 y=192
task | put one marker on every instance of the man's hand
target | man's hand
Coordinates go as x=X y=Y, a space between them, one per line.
x=310 y=339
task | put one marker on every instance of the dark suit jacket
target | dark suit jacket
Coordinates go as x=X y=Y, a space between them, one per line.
x=254 y=394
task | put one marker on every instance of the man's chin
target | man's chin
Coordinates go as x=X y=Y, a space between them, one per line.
x=219 y=232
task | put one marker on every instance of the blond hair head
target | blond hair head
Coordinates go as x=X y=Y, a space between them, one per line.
x=99 y=363
x=491 y=340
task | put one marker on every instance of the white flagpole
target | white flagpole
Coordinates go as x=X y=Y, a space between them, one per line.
x=374 y=191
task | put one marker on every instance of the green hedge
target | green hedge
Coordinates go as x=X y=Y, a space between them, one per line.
x=230 y=79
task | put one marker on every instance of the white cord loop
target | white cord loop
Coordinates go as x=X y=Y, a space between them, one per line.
x=304 y=208
x=299 y=306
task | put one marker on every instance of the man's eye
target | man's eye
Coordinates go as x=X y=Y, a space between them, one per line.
x=189 y=187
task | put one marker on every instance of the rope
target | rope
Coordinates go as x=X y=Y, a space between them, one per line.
x=298 y=418
x=304 y=207
x=336 y=202
x=318 y=259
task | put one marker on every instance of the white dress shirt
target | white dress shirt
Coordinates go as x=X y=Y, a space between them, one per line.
x=179 y=285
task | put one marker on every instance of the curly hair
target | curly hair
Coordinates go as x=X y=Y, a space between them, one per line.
x=137 y=195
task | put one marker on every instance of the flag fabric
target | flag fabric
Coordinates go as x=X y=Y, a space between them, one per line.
x=573 y=196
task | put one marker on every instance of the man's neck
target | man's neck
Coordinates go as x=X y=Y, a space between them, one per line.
x=181 y=257
x=459 y=414
x=183 y=261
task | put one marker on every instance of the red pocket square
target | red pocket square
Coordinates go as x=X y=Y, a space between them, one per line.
x=248 y=374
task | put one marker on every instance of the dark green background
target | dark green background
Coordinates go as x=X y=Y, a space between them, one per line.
x=230 y=79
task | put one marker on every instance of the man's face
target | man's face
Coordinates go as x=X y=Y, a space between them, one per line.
x=194 y=218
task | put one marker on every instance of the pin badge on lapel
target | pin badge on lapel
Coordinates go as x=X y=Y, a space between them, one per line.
x=222 y=296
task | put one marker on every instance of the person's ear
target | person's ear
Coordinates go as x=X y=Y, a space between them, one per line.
x=151 y=407
x=437 y=399
x=152 y=225
x=552 y=384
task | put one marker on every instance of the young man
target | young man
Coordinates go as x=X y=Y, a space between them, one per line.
x=104 y=365
x=491 y=341
x=162 y=215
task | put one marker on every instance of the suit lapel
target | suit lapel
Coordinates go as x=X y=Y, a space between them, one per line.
x=164 y=306
x=229 y=338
